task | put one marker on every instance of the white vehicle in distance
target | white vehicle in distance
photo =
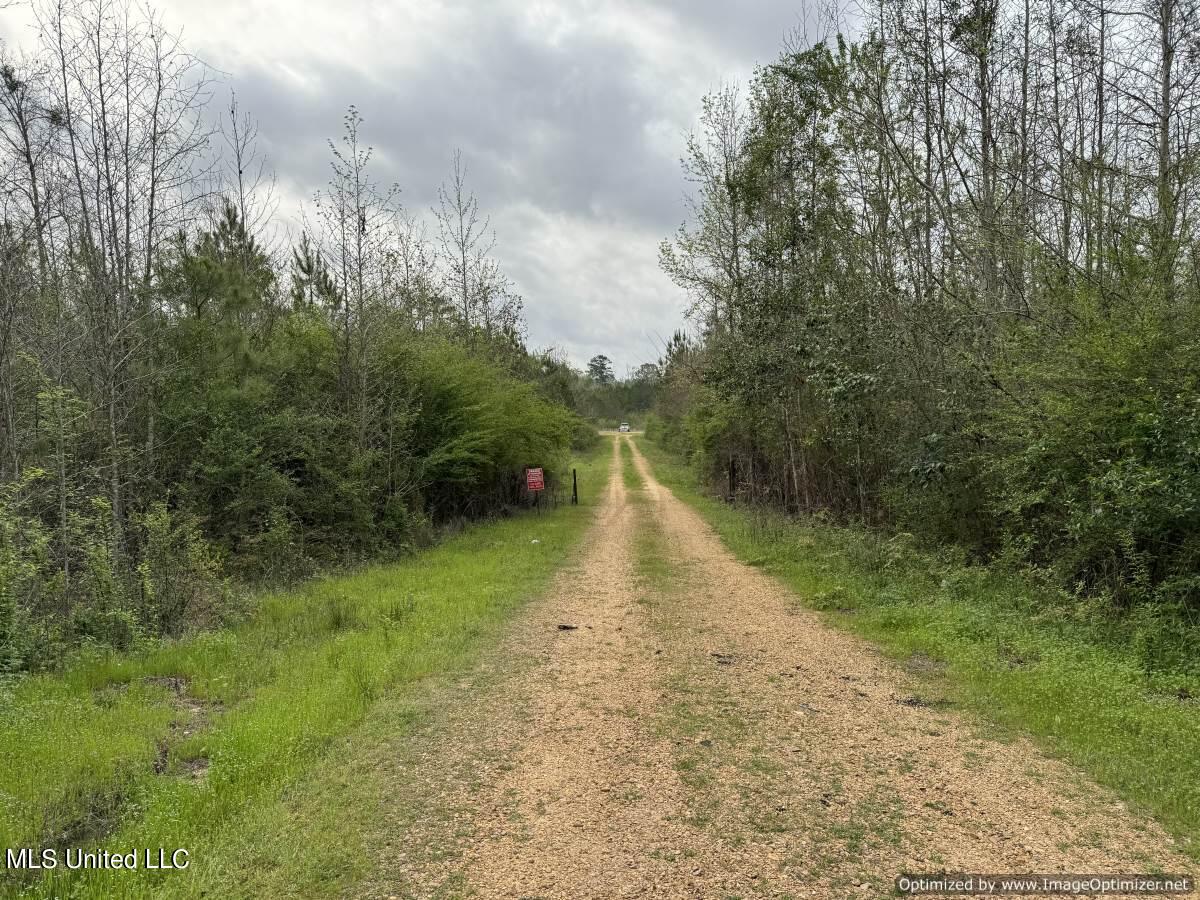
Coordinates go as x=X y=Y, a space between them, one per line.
x=624 y=427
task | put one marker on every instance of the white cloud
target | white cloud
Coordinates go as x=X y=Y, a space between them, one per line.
x=600 y=283
x=571 y=115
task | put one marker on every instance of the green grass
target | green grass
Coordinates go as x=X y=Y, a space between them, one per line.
x=633 y=481
x=106 y=753
x=1012 y=650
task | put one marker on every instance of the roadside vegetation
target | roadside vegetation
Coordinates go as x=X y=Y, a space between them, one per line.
x=1016 y=651
x=194 y=403
x=941 y=287
x=606 y=400
x=185 y=743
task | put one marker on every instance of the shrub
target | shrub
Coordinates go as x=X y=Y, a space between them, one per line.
x=179 y=574
x=1093 y=467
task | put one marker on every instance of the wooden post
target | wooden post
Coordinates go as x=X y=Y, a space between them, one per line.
x=574 y=488
x=732 y=478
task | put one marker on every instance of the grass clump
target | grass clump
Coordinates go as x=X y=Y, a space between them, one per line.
x=629 y=474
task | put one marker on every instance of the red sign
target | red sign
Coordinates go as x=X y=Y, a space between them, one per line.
x=535 y=480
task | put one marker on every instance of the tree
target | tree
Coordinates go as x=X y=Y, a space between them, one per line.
x=924 y=267
x=178 y=405
x=356 y=216
x=706 y=259
x=483 y=297
x=647 y=372
x=600 y=369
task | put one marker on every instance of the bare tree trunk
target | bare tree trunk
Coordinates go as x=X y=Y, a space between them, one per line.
x=1164 y=237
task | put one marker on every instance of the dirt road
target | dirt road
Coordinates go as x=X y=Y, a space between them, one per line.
x=673 y=724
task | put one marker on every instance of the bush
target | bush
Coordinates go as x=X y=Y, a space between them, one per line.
x=28 y=582
x=475 y=431
x=584 y=437
x=179 y=574
x=1093 y=467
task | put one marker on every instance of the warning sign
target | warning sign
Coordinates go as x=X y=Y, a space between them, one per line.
x=535 y=480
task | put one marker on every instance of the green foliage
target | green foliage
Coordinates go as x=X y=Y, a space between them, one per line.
x=1092 y=462
x=600 y=369
x=22 y=551
x=105 y=742
x=476 y=430
x=872 y=347
x=584 y=438
x=609 y=402
x=270 y=439
x=178 y=575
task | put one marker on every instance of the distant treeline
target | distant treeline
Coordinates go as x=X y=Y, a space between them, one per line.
x=607 y=401
x=182 y=401
x=945 y=277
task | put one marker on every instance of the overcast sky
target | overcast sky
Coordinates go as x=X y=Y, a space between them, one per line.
x=571 y=116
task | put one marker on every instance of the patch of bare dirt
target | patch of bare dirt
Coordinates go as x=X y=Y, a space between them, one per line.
x=192 y=715
x=591 y=804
